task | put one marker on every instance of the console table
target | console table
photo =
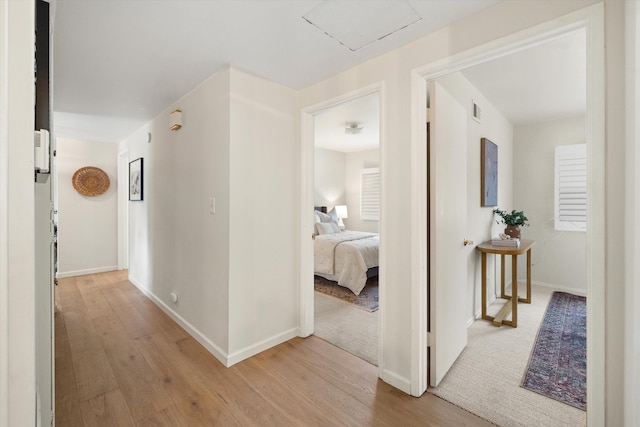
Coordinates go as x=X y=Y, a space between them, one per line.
x=489 y=248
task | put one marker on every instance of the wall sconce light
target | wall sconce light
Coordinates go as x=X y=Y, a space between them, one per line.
x=341 y=212
x=175 y=120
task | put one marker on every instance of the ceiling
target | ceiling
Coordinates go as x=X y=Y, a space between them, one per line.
x=118 y=63
x=330 y=125
x=542 y=83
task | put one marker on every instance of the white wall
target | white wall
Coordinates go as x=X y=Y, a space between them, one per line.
x=329 y=179
x=481 y=222
x=234 y=271
x=559 y=257
x=337 y=182
x=87 y=226
x=354 y=163
x=175 y=244
x=263 y=285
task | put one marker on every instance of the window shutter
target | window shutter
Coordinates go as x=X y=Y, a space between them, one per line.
x=571 y=188
x=370 y=194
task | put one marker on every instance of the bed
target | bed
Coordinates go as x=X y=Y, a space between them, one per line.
x=346 y=257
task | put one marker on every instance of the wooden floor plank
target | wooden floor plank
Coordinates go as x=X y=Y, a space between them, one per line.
x=327 y=397
x=137 y=382
x=169 y=417
x=134 y=323
x=150 y=311
x=242 y=400
x=67 y=403
x=197 y=403
x=304 y=412
x=130 y=364
x=107 y=410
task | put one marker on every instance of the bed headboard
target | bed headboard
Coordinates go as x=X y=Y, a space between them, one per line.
x=322 y=209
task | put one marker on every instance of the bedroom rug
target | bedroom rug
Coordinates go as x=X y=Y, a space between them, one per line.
x=486 y=379
x=558 y=364
x=347 y=327
x=367 y=300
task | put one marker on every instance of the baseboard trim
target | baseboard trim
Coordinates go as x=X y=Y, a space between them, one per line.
x=398 y=381
x=575 y=291
x=212 y=347
x=252 y=350
x=62 y=275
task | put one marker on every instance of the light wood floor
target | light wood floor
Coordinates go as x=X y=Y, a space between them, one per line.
x=120 y=361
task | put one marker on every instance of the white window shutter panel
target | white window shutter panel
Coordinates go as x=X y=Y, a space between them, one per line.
x=571 y=187
x=370 y=194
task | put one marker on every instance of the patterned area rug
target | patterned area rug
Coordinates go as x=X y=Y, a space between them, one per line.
x=367 y=300
x=558 y=364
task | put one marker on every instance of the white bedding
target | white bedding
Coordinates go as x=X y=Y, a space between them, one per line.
x=345 y=257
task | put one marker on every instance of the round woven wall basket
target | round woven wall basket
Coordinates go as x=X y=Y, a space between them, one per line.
x=90 y=181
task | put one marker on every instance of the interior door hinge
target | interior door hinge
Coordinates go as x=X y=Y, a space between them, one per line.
x=428 y=339
x=428 y=115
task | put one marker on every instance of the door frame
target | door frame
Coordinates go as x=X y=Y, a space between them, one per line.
x=123 y=210
x=592 y=20
x=306 y=224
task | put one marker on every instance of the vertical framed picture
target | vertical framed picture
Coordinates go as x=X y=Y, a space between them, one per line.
x=136 y=177
x=489 y=172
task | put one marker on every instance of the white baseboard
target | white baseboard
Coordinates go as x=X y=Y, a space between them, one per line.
x=63 y=274
x=212 y=347
x=219 y=353
x=252 y=350
x=575 y=291
x=398 y=381
x=478 y=314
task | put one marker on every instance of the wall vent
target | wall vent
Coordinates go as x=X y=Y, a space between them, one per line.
x=477 y=113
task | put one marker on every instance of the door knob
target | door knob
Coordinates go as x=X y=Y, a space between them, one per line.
x=468 y=242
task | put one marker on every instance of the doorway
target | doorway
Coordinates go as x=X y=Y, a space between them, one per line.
x=346 y=182
x=307 y=321
x=123 y=211
x=591 y=21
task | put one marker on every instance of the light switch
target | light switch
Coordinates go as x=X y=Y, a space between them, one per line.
x=212 y=205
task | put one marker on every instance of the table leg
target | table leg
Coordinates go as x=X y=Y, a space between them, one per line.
x=529 y=276
x=484 y=285
x=502 y=291
x=514 y=290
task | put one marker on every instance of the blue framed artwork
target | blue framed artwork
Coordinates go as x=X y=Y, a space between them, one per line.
x=489 y=172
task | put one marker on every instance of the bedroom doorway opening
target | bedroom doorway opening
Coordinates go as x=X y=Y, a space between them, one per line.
x=332 y=180
x=585 y=127
x=347 y=196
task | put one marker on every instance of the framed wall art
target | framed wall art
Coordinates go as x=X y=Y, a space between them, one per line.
x=136 y=176
x=489 y=173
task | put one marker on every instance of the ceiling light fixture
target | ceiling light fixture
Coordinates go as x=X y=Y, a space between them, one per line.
x=352 y=128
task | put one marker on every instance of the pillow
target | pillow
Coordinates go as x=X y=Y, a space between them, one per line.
x=323 y=216
x=327 y=228
x=333 y=215
x=317 y=217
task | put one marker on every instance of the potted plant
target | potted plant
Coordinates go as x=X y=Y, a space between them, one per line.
x=513 y=220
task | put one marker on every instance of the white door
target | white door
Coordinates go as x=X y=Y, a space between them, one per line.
x=447 y=228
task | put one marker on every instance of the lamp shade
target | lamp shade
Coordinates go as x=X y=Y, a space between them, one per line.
x=341 y=211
